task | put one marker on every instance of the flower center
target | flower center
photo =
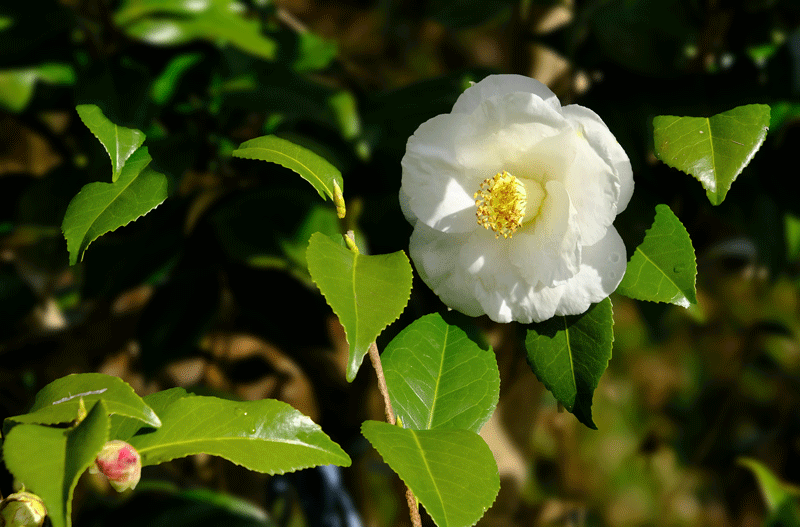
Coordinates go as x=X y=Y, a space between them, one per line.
x=503 y=202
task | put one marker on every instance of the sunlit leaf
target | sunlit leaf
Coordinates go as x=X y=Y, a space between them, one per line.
x=367 y=292
x=175 y=22
x=438 y=378
x=266 y=435
x=451 y=472
x=119 y=142
x=569 y=355
x=59 y=401
x=779 y=497
x=303 y=161
x=103 y=207
x=123 y=427
x=714 y=150
x=49 y=461
x=17 y=85
x=663 y=267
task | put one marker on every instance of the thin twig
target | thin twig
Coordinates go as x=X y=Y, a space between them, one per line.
x=375 y=357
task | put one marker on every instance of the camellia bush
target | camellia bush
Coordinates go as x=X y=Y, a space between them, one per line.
x=233 y=203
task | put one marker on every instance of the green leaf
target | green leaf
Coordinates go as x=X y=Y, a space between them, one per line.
x=119 y=142
x=779 y=497
x=176 y=22
x=438 y=378
x=714 y=150
x=266 y=436
x=165 y=85
x=663 y=267
x=49 y=461
x=451 y=472
x=345 y=110
x=58 y=402
x=367 y=292
x=17 y=85
x=569 y=354
x=103 y=207
x=123 y=427
x=314 y=52
x=303 y=161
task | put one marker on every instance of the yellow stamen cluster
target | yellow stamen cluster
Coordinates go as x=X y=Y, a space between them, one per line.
x=501 y=203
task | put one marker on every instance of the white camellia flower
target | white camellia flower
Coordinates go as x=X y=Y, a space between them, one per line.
x=512 y=198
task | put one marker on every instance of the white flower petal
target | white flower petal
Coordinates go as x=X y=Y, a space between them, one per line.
x=502 y=131
x=433 y=178
x=606 y=145
x=498 y=85
x=549 y=250
x=602 y=268
x=435 y=255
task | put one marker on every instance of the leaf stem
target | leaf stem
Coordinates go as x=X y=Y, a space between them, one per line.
x=375 y=357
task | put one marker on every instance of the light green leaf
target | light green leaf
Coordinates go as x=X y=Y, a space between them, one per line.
x=569 y=354
x=266 y=436
x=779 y=496
x=49 y=461
x=303 y=161
x=119 y=142
x=123 y=427
x=103 y=207
x=451 y=472
x=314 y=52
x=345 y=110
x=17 y=85
x=714 y=150
x=367 y=292
x=176 y=22
x=663 y=267
x=438 y=378
x=58 y=402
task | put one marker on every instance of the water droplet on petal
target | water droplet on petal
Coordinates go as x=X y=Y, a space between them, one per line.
x=613 y=257
x=612 y=275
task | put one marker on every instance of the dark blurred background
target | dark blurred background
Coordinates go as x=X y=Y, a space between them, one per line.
x=210 y=291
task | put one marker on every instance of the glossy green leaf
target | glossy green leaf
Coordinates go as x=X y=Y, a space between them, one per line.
x=119 y=142
x=49 y=461
x=451 y=472
x=303 y=161
x=714 y=150
x=779 y=497
x=123 y=427
x=367 y=292
x=569 y=354
x=58 y=402
x=103 y=207
x=266 y=436
x=663 y=267
x=176 y=22
x=438 y=378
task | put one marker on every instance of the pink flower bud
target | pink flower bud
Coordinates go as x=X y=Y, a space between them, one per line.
x=120 y=463
x=22 y=509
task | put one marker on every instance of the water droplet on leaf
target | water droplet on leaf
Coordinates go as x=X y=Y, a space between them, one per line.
x=239 y=412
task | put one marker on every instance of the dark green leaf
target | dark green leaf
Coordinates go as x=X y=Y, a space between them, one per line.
x=166 y=83
x=314 y=52
x=59 y=401
x=303 y=161
x=49 y=461
x=266 y=436
x=103 y=207
x=663 y=267
x=119 y=142
x=367 y=292
x=569 y=354
x=451 y=472
x=714 y=150
x=438 y=378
